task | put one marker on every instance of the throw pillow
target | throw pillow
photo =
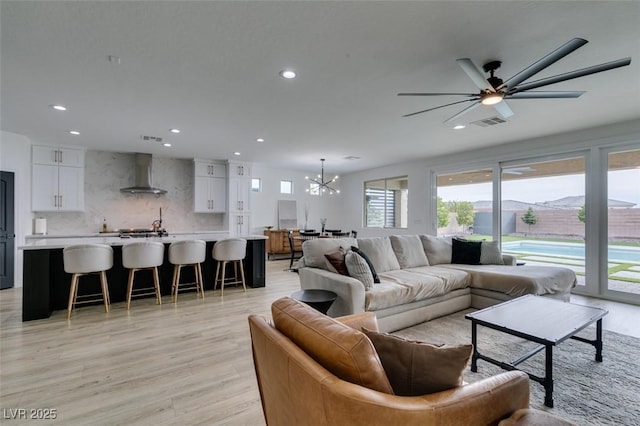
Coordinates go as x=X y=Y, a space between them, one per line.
x=437 y=249
x=467 y=252
x=380 y=252
x=409 y=251
x=336 y=259
x=366 y=258
x=358 y=269
x=418 y=368
x=490 y=253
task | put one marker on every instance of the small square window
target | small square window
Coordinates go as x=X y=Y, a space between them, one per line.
x=286 y=187
x=314 y=189
x=256 y=185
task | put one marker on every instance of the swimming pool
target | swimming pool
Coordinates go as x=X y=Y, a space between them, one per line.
x=616 y=253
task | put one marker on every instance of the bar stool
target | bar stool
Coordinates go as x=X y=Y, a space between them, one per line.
x=140 y=256
x=187 y=253
x=84 y=259
x=229 y=250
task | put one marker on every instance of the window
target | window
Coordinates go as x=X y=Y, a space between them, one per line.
x=465 y=204
x=386 y=203
x=286 y=187
x=314 y=189
x=256 y=185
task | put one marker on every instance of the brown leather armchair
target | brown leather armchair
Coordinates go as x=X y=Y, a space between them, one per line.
x=298 y=390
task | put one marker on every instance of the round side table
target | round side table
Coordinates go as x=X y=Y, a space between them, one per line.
x=320 y=300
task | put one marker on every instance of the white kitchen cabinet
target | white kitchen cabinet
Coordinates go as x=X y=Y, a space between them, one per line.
x=239 y=170
x=210 y=195
x=209 y=187
x=239 y=195
x=58 y=156
x=239 y=225
x=210 y=168
x=55 y=186
x=239 y=198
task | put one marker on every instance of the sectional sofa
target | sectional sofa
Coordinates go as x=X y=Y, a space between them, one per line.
x=422 y=277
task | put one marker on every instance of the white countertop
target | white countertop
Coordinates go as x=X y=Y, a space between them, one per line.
x=38 y=242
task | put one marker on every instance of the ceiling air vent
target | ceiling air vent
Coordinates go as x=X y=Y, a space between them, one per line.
x=489 y=122
x=151 y=138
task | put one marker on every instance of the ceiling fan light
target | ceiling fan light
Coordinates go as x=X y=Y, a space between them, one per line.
x=491 y=99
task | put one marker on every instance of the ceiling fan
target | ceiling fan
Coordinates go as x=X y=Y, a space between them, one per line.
x=494 y=91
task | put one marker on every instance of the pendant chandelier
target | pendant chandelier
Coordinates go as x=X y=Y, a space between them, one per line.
x=322 y=185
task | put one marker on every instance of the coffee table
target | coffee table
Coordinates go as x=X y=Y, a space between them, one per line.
x=542 y=320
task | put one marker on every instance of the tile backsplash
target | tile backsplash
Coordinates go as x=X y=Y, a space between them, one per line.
x=107 y=172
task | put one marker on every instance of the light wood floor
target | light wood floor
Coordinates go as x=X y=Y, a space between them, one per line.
x=186 y=364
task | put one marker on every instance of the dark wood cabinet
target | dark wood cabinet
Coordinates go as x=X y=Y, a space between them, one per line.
x=278 y=242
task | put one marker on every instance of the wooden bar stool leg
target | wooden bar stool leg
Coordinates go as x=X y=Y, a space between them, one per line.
x=72 y=294
x=224 y=270
x=105 y=290
x=156 y=285
x=176 y=282
x=130 y=287
x=244 y=287
x=199 y=273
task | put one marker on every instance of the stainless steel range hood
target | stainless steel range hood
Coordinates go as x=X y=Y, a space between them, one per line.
x=144 y=177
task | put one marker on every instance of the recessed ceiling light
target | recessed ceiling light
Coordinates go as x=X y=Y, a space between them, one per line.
x=260 y=140
x=59 y=107
x=167 y=144
x=288 y=74
x=74 y=132
x=174 y=130
x=236 y=153
x=459 y=127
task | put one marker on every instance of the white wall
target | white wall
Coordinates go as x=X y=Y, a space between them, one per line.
x=264 y=204
x=15 y=156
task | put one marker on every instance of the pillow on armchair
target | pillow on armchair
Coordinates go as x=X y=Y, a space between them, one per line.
x=418 y=368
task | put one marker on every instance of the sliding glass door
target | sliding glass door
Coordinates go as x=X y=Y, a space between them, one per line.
x=623 y=224
x=542 y=209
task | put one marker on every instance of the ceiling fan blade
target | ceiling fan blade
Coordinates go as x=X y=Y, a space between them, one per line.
x=438 y=107
x=503 y=109
x=544 y=62
x=437 y=94
x=573 y=74
x=464 y=111
x=475 y=74
x=544 y=95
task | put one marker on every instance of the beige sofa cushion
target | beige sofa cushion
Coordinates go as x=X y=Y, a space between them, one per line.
x=409 y=251
x=380 y=252
x=437 y=249
x=345 y=352
x=520 y=280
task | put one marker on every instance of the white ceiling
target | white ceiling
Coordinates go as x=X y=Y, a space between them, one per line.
x=211 y=69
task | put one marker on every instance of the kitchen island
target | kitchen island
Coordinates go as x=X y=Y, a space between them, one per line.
x=46 y=284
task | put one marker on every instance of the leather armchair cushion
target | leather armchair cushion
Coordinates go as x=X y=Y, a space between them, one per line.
x=342 y=350
x=417 y=368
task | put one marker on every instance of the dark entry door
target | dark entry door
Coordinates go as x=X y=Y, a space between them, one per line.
x=7 y=230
